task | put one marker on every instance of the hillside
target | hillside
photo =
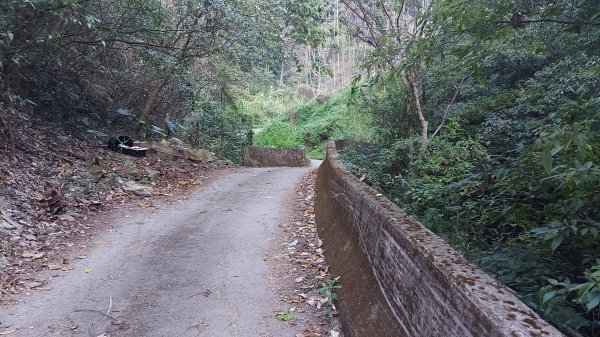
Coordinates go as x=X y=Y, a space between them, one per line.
x=312 y=124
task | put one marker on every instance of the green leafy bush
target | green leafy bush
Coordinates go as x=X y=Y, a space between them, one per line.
x=512 y=180
x=223 y=131
x=311 y=125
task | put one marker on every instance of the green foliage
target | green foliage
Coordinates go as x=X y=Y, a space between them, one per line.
x=267 y=104
x=284 y=316
x=330 y=288
x=222 y=131
x=82 y=60
x=279 y=134
x=306 y=17
x=311 y=125
x=512 y=178
x=587 y=294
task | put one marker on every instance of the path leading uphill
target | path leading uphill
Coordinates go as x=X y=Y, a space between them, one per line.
x=195 y=268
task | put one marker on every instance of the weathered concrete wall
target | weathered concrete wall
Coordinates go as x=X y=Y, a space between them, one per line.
x=400 y=279
x=270 y=157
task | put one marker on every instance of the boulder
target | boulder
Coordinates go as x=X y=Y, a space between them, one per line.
x=198 y=155
x=137 y=188
x=132 y=173
x=175 y=148
x=151 y=174
x=164 y=148
x=178 y=143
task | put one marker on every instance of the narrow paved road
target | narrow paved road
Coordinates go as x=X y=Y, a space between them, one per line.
x=196 y=268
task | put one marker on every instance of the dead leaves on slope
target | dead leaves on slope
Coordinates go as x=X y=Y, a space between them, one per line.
x=54 y=183
x=52 y=202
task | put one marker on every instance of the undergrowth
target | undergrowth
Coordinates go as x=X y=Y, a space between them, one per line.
x=513 y=182
x=312 y=124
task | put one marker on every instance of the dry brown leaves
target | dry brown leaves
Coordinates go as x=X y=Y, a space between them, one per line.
x=311 y=271
x=55 y=181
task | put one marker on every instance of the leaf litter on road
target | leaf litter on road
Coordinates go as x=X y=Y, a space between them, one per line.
x=307 y=266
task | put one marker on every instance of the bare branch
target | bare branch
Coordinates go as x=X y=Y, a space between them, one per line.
x=450 y=104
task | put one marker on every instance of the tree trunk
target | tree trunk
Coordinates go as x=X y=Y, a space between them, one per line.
x=143 y=114
x=6 y=127
x=306 y=65
x=319 y=74
x=281 y=72
x=6 y=112
x=412 y=86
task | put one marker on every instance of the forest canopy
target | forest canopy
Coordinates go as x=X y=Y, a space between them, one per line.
x=159 y=62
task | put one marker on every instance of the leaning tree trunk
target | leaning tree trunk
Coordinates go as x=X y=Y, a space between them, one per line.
x=143 y=114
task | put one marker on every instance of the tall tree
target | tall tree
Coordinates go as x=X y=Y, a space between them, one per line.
x=392 y=29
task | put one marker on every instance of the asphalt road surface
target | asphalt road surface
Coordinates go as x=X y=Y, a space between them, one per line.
x=195 y=268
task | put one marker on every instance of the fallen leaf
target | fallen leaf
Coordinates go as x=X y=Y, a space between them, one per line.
x=299 y=279
x=7 y=331
x=334 y=333
x=4 y=224
x=314 y=331
x=295 y=299
x=88 y=270
x=66 y=217
x=32 y=285
x=55 y=266
x=312 y=302
x=32 y=255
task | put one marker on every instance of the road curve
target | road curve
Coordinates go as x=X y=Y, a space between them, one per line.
x=196 y=268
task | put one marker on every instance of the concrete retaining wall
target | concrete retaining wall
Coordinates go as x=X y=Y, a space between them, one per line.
x=270 y=157
x=400 y=279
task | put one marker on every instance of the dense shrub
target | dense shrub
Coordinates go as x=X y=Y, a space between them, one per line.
x=513 y=179
x=312 y=124
x=224 y=132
